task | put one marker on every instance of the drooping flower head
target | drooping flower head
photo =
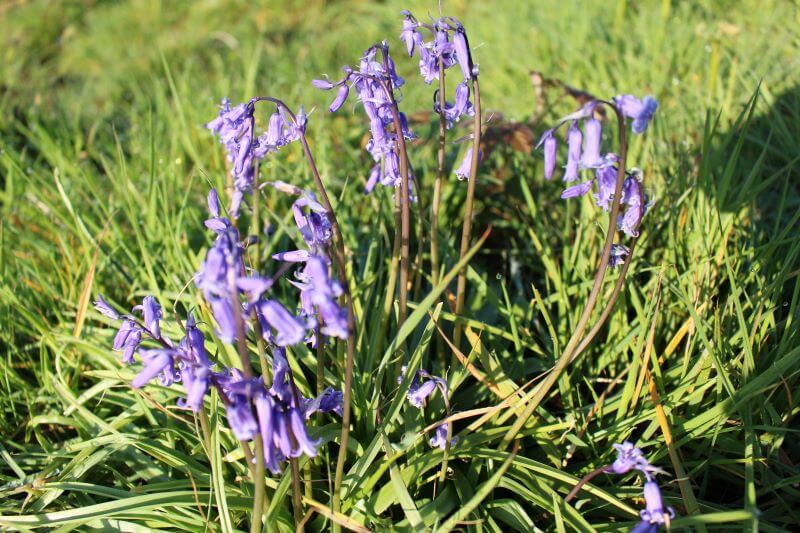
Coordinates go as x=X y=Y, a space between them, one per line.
x=449 y=46
x=641 y=111
x=374 y=82
x=439 y=439
x=235 y=127
x=584 y=153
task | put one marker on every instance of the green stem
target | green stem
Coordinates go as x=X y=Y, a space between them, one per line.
x=466 y=231
x=566 y=356
x=609 y=304
x=437 y=184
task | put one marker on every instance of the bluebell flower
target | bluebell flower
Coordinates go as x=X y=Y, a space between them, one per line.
x=619 y=254
x=330 y=401
x=410 y=34
x=240 y=410
x=125 y=329
x=550 y=144
x=105 y=308
x=592 y=133
x=654 y=512
x=641 y=111
x=606 y=177
x=462 y=52
x=151 y=310
x=463 y=169
x=423 y=384
x=577 y=190
x=156 y=362
x=274 y=316
x=439 y=439
x=633 y=198
x=226 y=321
x=574 y=140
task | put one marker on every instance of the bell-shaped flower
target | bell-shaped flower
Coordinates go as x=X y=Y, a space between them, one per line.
x=641 y=111
x=156 y=362
x=439 y=439
x=654 y=511
x=591 y=143
x=105 y=308
x=574 y=140
x=577 y=190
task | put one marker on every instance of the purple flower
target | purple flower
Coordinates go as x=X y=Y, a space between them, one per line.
x=213 y=203
x=574 y=140
x=223 y=314
x=462 y=52
x=439 y=439
x=152 y=314
x=550 y=146
x=330 y=401
x=418 y=393
x=322 y=293
x=288 y=329
x=591 y=143
x=235 y=129
x=128 y=339
x=577 y=190
x=645 y=527
x=654 y=511
x=105 y=308
x=131 y=345
x=410 y=35
x=641 y=111
x=324 y=85
x=293 y=256
x=127 y=327
x=461 y=106
x=193 y=343
x=419 y=390
x=462 y=171
x=341 y=98
x=606 y=184
x=196 y=380
x=619 y=254
x=253 y=286
x=634 y=200
x=240 y=416
x=156 y=362
x=629 y=457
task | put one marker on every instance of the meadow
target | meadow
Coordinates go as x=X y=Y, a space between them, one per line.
x=105 y=168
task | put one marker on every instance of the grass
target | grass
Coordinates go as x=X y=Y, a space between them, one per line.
x=105 y=166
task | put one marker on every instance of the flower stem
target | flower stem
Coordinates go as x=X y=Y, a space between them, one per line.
x=586 y=479
x=437 y=184
x=566 y=356
x=466 y=230
x=609 y=305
